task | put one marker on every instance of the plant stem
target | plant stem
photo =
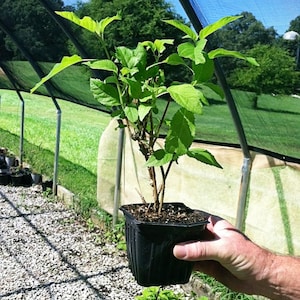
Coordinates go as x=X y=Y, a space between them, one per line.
x=161 y=120
x=152 y=175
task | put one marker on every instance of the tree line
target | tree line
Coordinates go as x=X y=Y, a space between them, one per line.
x=29 y=21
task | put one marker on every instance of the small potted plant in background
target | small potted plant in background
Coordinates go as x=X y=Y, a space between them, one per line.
x=4 y=169
x=20 y=176
x=147 y=106
x=10 y=159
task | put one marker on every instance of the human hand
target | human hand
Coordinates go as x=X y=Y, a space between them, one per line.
x=227 y=255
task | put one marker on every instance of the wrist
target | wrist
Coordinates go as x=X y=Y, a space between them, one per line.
x=278 y=281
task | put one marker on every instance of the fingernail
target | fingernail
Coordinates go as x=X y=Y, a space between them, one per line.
x=179 y=251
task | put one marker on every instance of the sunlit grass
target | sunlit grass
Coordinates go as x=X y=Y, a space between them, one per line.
x=81 y=127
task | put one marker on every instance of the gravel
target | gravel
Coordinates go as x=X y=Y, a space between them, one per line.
x=46 y=252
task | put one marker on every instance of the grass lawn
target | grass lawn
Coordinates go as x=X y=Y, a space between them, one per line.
x=80 y=132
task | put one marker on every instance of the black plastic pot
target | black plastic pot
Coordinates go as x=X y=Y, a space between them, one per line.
x=150 y=249
x=4 y=179
x=21 y=180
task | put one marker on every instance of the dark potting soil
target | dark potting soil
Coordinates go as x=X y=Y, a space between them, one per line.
x=172 y=213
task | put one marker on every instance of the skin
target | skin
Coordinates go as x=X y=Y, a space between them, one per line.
x=230 y=257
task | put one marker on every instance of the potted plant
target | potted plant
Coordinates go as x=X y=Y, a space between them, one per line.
x=146 y=105
x=20 y=176
x=10 y=159
x=4 y=169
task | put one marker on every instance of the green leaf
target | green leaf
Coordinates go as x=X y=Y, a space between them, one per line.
x=209 y=29
x=106 y=21
x=160 y=44
x=86 y=22
x=159 y=158
x=203 y=156
x=149 y=45
x=143 y=110
x=104 y=64
x=66 y=62
x=198 y=52
x=181 y=133
x=135 y=89
x=186 y=50
x=215 y=88
x=131 y=113
x=187 y=96
x=131 y=58
x=204 y=72
x=184 y=28
x=220 y=52
x=174 y=59
x=105 y=93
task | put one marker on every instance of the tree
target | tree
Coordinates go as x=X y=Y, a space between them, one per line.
x=244 y=34
x=276 y=73
x=29 y=21
x=141 y=20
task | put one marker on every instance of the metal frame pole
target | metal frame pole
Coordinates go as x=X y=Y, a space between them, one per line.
x=118 y=176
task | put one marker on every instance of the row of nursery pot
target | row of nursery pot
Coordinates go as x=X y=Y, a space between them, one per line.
x=138 y=94
x=12 y=173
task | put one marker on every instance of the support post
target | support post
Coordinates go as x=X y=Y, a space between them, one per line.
x=57 y=145
x=245 y=180
x=118 y=176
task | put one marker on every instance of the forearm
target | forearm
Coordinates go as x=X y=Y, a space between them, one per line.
x=281 y=278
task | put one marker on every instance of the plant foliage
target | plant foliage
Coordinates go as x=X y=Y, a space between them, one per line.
x=136 y=83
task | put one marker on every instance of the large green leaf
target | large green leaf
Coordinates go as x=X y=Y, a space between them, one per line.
x=103 y=64
x=143 y=110
x=86 y=22
x=187 y=96
x=66 y=62
x=105 y=93
x=184 y=28
x=199 y=55
x=204 y=72
x=174 y=59
x=135 y=89
x=220 y=52
x=159 y=158
x=203 y=156
x=160 y=44
x=186 y=50
x=209 y=29
x=131 y=113
x=131 y=58
x=106 y=21
x=181 y=133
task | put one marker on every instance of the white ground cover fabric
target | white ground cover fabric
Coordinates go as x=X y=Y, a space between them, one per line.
x=273 y=208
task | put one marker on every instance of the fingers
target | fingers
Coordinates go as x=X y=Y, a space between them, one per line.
x=208 y=249
x=195 y=251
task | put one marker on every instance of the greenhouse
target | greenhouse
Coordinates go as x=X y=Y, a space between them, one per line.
x=252 y=132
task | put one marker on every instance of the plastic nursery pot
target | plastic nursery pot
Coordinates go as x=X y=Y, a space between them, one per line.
x=21 y=180
x=150 y=249
x=4 y=179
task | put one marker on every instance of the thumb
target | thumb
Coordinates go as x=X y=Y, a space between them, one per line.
x=195 y=251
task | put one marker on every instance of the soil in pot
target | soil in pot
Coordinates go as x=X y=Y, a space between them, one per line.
x=150 y=239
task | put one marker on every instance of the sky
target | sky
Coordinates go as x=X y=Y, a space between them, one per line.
x=276 y=13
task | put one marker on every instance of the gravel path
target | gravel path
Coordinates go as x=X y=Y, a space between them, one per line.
x=46 y=253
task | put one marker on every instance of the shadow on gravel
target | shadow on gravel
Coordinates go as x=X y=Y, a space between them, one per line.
x=78 y=275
